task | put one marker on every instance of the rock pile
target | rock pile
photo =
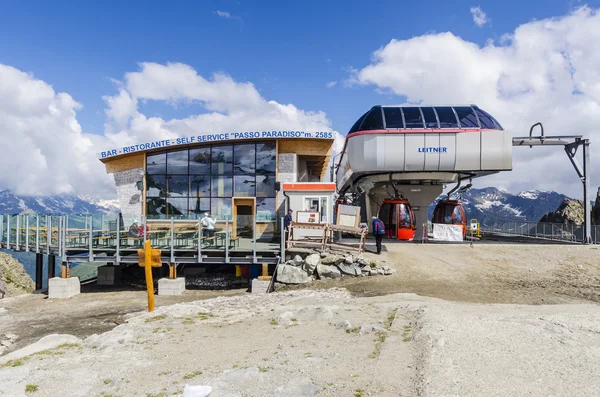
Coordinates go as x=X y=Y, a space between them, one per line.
x=14 y=280
x=325 y=265
x=569 y=212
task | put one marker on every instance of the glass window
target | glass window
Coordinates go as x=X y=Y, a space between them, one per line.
x=393 y=118
x=430 y=119
x=156 y=185
x=265 y=209
x=317 y=204
x=265 y=185
x=177 y=206
x=200 y=185
x=156 y=163
x=244 y=186
x=222 y=160
x=199 y=205
x=178 y=185
x=447 y=117
x=384 y=214
x=403 y=216
x=356 y=126
x=457 y=215
x=221 y=186
x=486 y=120
x=200 y=160
x=466 y=116
x=221 y=209
x=412 y=117
x=373 y=121
x=266 y=157
x=177 y=162
x=324 y=211
x=156 y=207
x=244 y=159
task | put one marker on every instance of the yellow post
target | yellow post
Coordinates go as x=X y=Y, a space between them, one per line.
x=265 y=270
x=148 y=267
x=238 y=271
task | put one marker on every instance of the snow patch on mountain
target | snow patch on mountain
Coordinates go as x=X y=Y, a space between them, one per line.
x=11 y=203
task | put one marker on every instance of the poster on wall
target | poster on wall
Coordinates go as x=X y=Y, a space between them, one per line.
x=308 y=217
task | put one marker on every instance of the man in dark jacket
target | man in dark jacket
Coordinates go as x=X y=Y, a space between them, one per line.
x=287 y=221
x=378 y=232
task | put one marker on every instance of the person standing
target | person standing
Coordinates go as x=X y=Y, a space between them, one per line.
x=287 y=221
x=378 y=232
x=210 y=226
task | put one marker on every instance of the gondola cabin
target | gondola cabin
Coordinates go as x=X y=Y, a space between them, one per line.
x=450 y=212
x=399 y=219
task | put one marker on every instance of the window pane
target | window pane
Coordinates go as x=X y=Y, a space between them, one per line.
x=156 y=185
x=177 y=206
x=265 y=185
x=177 y=162
x=178 y=185
x=244 y=159
x=373 y=121
x=467 y=118
x=393 y=118
x=266 y=157
x=156 y=163
x=200 y=161
x=430 y=119
x=311 y=204
x=199 y=205
x=221 y=186
x=447 y=117
x=324 y=211
x=200 y=185
x=356 y=126
x=265 y=209
x=244 y=186
x=222 y=160
x=156 y=207
x=487 y=121
x=221 y=209
x=412 y=117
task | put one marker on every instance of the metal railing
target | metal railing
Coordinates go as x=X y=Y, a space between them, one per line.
x=542 y=230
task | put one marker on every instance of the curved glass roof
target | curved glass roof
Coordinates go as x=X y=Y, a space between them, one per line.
x=425 y=117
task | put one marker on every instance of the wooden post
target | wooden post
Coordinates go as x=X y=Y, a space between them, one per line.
x=265 y=270
x=172 y=271
x=63 y=270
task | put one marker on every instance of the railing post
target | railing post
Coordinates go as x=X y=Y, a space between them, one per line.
x=254 y=241
x=282 y=242
x=59 y=236
x=37 y=234
x=8 y=232
x=17 y=234
x=227 y=241
x=199 y=242
x=27 y=233
x=91 y=238
x=118 y=240
x=48 y=233
x=1 y=229
x=172 y=241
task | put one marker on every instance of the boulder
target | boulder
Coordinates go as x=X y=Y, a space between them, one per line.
x=292 y=275
x=345 y=325
x=298 y=260
x=351 y=270
x=332 y=259
x=328 y=271
x=389 y=271
x=323 y=254
x=363 y=262
x=311 y=262
x=349 y=259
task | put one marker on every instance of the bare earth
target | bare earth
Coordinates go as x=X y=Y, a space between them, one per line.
x=492 y=320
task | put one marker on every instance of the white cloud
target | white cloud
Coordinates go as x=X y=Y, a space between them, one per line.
x=46 y=152
x=479 y=16
x=544 y=71
x=331 y=84
x=227 y=15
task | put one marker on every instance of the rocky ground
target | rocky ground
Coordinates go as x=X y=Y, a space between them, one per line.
x=370 y=338
x=14 y=280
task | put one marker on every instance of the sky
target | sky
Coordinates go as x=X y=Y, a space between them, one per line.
x=80 y=77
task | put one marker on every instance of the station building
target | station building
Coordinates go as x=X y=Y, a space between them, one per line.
x=233 y=176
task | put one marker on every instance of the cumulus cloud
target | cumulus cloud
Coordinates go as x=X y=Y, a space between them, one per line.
x=544 y=71
x=479 y=16
x=46 y=152
x=331 y=84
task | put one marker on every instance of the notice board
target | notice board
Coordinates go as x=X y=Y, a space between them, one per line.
x=308 y=217
x=348 y=215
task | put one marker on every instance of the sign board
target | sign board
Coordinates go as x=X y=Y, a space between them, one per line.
x=474 y=226
x=205 y=138
x=443 y=232
x=308 y=217
x=348 y=215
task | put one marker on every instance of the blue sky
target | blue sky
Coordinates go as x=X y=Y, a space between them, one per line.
x=289 y=50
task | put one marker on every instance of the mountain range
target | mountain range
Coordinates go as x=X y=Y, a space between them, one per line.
x=486 y=205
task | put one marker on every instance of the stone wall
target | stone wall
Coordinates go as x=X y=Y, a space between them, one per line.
x=129 y=195
x=287 y=170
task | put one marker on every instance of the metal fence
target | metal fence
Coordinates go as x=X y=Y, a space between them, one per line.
x=542 y=230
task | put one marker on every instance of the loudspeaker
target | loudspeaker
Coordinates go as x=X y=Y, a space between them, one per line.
x=277 y=186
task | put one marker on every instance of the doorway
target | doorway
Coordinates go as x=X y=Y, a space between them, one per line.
x=244 y=210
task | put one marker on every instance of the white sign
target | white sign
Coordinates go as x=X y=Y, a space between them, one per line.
x=228 y=136
x=308 y=217
x=443 y=232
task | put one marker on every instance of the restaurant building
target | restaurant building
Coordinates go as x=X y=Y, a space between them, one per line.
x=233 y=176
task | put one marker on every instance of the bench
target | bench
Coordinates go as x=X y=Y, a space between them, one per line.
x=233 y=240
